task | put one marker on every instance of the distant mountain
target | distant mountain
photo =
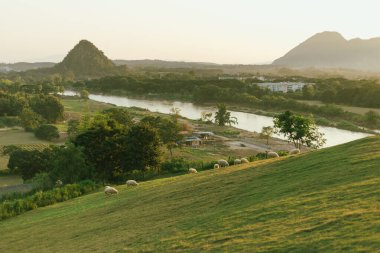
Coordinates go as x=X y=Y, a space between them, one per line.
x=164 y=64
x=85 y=59
x=332 y=50
x=24 y=66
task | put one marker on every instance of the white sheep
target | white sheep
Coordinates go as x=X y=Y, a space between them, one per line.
x=272 y=154
x=237 y=161
x=294 y=151
x=223 y=163
x=108 y=190
x=244 y=160
x=132 y=183
x=192 y=170
x=216 y=166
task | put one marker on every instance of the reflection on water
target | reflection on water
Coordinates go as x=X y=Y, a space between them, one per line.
x=246 y=121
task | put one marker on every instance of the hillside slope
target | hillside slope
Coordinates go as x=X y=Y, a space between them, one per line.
x=324 y=201
x=85 y=59
x=332 y=50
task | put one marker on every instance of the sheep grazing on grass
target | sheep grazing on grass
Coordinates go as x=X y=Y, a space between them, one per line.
x=294 y=151
x=192 y=170
x=272 y=154
x=132 y=183
x=216 y=166
x=108 y=190
x=223 y=163
x=244 y=160
x=237 y=161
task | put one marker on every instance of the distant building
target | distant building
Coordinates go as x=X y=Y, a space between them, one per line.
x=204 y=135
x=193 y=141
x=241 y=78
x=283 y=86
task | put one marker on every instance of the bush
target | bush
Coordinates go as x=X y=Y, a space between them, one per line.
x=14 y=207
x=283 y=152
x=87 y=186
x=42 y=181
x=47 y=132
x=174 y=165
x=261 y=156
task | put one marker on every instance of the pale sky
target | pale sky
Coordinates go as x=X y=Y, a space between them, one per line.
x=220 y=31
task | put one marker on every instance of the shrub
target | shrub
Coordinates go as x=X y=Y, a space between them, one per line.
x=283 y=152
x=87 y=186
x=261 y=156
x=174 y=165
x=42 y=181
x=14 y=207
x=47 y=132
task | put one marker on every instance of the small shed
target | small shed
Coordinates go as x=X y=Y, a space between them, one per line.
x=193 y=141
x=204 y=135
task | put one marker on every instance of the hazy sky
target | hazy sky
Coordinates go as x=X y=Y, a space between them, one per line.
x=222 y=31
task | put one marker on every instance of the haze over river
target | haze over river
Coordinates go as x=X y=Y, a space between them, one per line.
x=246 y=121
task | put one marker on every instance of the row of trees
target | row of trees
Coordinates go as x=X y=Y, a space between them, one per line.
x=365 y=93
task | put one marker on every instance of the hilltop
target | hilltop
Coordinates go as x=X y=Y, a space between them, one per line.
x=323 y=201
x=85 y=59
x=332 y=50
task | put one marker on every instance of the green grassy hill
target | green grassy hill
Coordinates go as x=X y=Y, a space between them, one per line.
x=324 y=201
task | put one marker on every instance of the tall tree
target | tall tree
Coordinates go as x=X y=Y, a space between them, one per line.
x=168 y=129
x=299 y=130
x=68 y=164
x=102 y=151
x=223 y=117
x=48 y=106
x=142 y=148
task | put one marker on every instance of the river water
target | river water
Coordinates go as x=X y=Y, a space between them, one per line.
x=246 y=121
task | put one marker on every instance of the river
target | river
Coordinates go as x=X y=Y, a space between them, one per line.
x=246 y=121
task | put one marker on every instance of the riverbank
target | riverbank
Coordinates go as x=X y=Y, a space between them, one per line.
x=246 y=121
x=335 y=122
x=230 y=141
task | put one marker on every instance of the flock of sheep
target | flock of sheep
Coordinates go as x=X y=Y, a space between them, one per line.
x=108 y=190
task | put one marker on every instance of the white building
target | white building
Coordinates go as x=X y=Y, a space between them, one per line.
x=283 y=86
x=241 y=78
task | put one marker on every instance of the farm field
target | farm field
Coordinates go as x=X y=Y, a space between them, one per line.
x=322 y=201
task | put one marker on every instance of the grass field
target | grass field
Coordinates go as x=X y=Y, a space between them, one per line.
x=323 y=201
